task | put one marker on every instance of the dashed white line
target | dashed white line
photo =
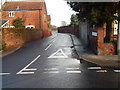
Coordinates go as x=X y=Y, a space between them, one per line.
x=117 y=71
x=48 y=47
x=25 y=68
x=73 y=71
x=103 y=71
x=4 y=74
x=51 y=72
x=94 y=68
x=71 y=68
x=50 y=69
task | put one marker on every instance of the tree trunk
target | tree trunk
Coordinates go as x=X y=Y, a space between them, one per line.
x=108 y=32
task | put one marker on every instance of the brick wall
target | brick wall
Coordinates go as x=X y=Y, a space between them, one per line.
x=97 y=42
x=69 y=30
x=18 y=37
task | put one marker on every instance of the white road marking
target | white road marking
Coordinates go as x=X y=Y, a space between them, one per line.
x=101 y=71
x=72 y=68
x=50 y=69
x=48 y=47
x=54 y=40
x=94 y=68
x=51 y=72
x=4 y=74
x=117 y=71
x=32 y=69
x=25 y=68
x=60 y=51
x=27 y=73
x=73 y=71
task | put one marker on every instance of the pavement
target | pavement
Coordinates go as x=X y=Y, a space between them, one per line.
x=85 y=54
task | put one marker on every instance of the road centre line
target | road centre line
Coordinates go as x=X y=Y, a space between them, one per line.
x=25 y=68
x=48 y=46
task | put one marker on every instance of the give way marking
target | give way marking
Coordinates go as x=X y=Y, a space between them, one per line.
x=25 y=70
x=58 y=54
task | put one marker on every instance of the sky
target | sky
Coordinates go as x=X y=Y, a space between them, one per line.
x=58 y=9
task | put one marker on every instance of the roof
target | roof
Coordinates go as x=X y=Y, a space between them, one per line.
x=21 y=5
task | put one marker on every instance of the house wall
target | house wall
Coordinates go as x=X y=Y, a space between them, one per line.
x=44 y=20
x=30 y=17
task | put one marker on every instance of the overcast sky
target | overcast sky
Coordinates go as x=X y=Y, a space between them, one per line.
x=58 y=9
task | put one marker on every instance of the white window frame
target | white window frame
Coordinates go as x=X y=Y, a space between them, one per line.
x=11 y=14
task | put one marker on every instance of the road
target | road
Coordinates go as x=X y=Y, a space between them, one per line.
x=52 y=63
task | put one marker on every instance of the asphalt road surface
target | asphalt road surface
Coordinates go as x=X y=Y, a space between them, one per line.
x=52 y=63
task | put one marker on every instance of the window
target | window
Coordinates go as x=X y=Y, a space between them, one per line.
x=11 y=14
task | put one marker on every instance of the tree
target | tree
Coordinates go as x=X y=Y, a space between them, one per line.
x=18 y=23
x=74 y=20
x=97 y=14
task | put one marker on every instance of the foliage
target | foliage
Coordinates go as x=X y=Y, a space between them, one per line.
x=2 y=46
x=74 y=20
x=18 y=23
x=97 y=13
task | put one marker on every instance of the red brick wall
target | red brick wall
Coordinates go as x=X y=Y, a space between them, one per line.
x=97 y=42
x=18 y=37
x=69 y=30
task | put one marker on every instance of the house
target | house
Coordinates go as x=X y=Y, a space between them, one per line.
x=34 y=14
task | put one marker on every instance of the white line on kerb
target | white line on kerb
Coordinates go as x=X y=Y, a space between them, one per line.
x=25 y=68
x=4 y=73
x=48 y=47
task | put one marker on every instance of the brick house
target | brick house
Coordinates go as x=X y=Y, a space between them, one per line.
x=34 y=14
